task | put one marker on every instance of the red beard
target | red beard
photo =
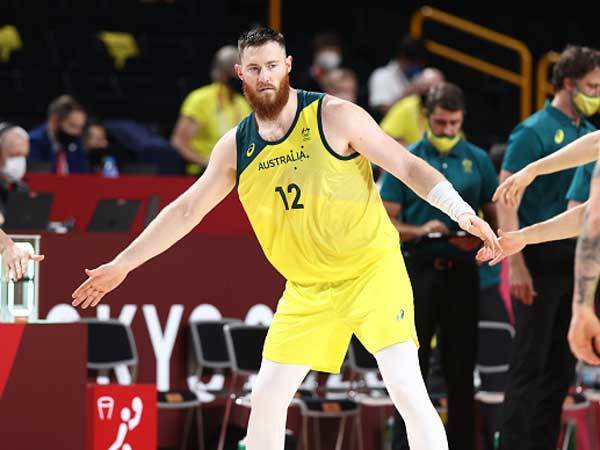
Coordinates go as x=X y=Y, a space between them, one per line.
x=268 y=108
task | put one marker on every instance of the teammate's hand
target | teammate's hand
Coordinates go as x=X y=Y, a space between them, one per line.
x=512 y=188
x=100 y=282
x=480 y=228
x=584 y=334
x=434 y=226
x=521 y=283
x=511 y=243
x=15 y=260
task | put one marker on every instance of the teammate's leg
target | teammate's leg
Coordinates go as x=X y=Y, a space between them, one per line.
x=272 y=393
x=399 y=367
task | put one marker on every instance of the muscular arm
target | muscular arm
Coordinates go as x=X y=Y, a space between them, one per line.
x=353 y=129
x=587 y=256
x=185 y=130
x=184 y=213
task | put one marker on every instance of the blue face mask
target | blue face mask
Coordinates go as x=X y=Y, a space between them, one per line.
x=412 y=71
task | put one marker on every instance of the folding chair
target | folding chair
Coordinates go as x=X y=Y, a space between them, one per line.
x=209 y=350
x=493 y=357
x=111 y=346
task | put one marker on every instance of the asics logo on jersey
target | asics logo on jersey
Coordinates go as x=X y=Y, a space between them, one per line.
x=400 y=315
x=250 y=150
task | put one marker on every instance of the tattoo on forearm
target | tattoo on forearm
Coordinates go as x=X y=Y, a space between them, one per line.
x=587 y=259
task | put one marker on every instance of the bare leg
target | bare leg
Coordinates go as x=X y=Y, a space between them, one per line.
x=399 y=367
x=272 y=393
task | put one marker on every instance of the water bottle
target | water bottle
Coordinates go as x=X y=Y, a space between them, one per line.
x=109 y=167
x=388 y=436
x=496 y=440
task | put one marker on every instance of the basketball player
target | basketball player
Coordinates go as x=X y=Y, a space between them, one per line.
x=583 y=220
x=301 y=165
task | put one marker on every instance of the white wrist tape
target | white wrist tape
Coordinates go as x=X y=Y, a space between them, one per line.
x=445 y=198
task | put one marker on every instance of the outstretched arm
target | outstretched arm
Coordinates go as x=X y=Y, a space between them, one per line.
x=579 y=152
x=174 y=221
x=361 y=133
x=563 y=226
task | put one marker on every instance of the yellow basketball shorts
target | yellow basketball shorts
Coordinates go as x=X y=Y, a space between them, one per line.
x=313 y=324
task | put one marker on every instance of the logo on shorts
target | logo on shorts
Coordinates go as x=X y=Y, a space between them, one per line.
x=400 y=315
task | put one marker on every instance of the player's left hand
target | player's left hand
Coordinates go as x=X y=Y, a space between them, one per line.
x=584 y=334
x=15 y=260
x=480 y=228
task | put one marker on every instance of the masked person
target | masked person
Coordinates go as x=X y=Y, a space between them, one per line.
x=14 y=148
x=56 y=145
x=541 y=276
x=444 y=272
x=387 y=84
x=327 y=56
x=209 y=112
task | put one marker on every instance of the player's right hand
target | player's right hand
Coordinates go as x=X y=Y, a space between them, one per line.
x=521 y=283
x=511 y=243
x=100 y=282
x=511 y=189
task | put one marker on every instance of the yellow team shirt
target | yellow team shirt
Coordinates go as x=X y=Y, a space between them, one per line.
x=211 y=107
x=405 y=120
x=317 y=215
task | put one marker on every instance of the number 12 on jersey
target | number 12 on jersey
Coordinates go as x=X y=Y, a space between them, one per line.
x=292 y=188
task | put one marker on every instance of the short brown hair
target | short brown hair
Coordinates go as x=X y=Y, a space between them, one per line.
x=574 y=62
x=259 y=36
x=445 y=95
x=63 y=106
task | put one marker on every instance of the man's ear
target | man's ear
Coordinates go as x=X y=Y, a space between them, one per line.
x=238 y=71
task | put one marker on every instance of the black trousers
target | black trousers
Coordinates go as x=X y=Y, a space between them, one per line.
x=542 y=366
x=446 y=293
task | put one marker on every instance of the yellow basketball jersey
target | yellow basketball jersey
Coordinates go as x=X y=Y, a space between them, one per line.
x=317 y=215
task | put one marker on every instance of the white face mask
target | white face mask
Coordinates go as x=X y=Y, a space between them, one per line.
x=329 y=59
x=15 y=168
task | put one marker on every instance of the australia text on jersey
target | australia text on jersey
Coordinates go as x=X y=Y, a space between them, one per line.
x=294 y=156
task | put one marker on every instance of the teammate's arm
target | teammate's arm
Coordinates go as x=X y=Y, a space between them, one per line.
x=361 y=133
x=174 y=221
x=562 y=226
x=581 y=151
x=584 y=332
